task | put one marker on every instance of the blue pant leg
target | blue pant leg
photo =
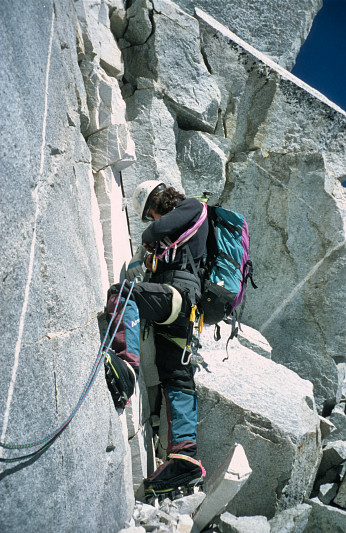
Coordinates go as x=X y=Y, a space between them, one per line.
x=181 y=406
x=180 y=395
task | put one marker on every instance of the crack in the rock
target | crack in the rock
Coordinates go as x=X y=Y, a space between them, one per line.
x=60 y=334
x=205 y=59
x=209 y=413
x=182 y=117
x=276 y=227
x=56 y=389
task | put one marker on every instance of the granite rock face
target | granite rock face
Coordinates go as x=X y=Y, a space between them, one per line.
x=283 y=175
x=169 y=87
x=114 y=236
x=100 y=63
x=202 y=160
x=270 y=411
x=325 y=518
x=293 y=520
x=140 y=438
x=275 y=28
x=152 y=126
x=186 y=83
x=234 y=524
x=54 y=276
x=99 y=41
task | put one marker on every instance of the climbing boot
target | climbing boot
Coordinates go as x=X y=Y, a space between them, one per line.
x=120 y=377
x=178 y=473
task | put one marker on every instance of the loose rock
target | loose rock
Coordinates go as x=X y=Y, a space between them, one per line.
x=340 y=498
x=243 y=524
x=293 y=520
x=327 y=492
x=325 y=518
x=280 y=439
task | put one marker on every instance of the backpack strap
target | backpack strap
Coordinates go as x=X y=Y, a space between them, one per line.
x=228 y=225
x=229 y=258
x=236 y=317
x=191 y=260
x=249 y=274
x=184 y=258
x=187 y=254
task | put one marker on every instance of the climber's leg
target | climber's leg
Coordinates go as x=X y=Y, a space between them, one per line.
x=181 y=468
x=122 y=363
x=151 y=301
x=179 y=392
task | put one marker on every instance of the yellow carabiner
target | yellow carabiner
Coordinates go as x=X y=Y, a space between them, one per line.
x=193 y=313
x=200 y=323
x=154 y=263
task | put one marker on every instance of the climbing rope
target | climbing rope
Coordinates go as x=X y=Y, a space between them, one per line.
x=49 y=439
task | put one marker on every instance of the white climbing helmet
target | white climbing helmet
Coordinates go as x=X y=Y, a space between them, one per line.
x=143 y=195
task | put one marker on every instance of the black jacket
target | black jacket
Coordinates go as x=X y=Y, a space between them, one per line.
x=172 y=225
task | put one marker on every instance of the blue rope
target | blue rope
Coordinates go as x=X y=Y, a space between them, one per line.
x=49 y=439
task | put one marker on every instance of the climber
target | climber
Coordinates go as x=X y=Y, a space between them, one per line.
x=166 y=301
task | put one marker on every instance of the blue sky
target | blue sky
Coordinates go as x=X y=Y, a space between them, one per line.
x=321 y=61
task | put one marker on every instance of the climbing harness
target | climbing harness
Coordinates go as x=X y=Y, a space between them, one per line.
x=49 y=439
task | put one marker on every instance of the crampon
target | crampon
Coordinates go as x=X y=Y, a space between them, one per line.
x=152 y=497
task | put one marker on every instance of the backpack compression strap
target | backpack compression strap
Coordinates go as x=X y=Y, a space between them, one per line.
x=227 y=225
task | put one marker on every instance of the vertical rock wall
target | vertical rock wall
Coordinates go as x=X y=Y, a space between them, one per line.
x=288 y=155
x=55 y=269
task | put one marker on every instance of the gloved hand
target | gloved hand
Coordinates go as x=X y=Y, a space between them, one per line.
x=136 y=267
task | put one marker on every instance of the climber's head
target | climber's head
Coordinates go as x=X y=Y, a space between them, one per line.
x=152 y=199
x=143 y=197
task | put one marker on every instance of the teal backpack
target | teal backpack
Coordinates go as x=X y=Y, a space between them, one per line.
x=227 y=267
